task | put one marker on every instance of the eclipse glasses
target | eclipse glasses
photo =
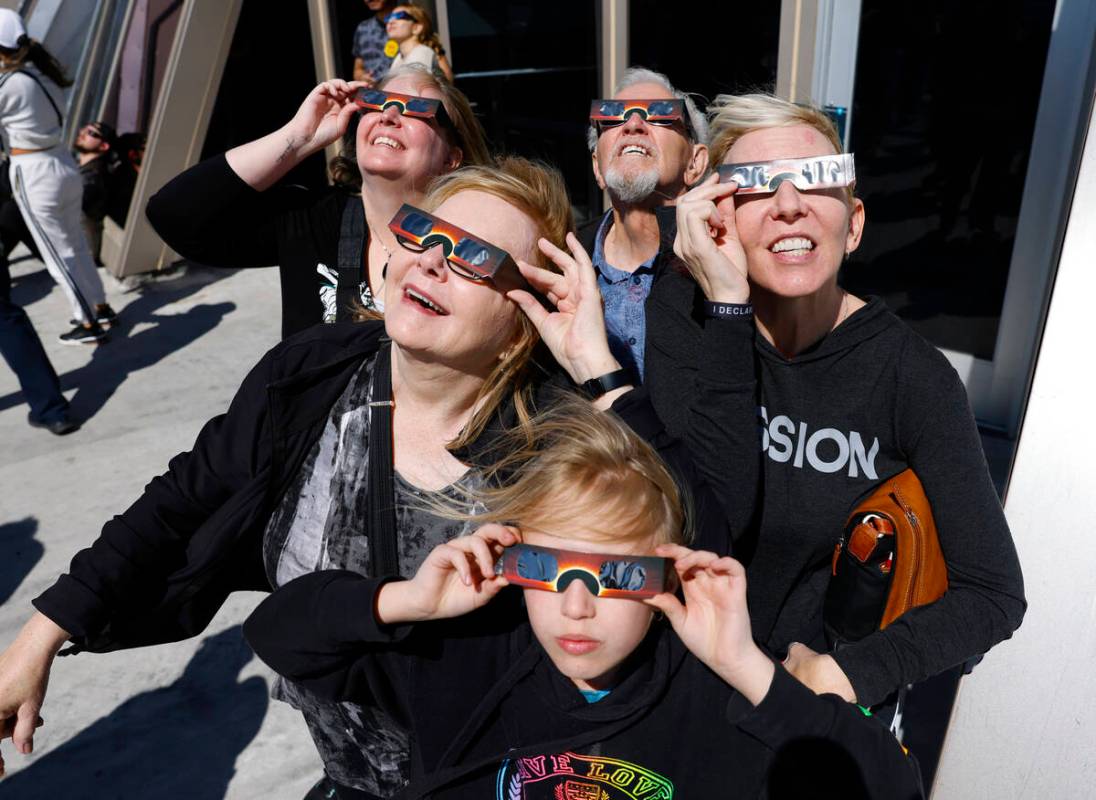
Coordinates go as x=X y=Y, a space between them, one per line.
x=603 y=575
x=612 y=113
x=467 y=255
x=820 y=172
x=408 y=105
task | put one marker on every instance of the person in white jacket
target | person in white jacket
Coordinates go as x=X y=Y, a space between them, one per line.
x=44 y=178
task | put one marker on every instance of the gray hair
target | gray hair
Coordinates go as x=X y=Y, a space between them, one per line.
x=698 y=123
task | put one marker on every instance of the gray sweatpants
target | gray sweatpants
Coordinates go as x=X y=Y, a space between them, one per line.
x=48 y=189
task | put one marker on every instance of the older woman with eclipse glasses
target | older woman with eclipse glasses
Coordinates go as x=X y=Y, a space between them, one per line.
x=335 y=444
x=849 y=396
x=228 y=212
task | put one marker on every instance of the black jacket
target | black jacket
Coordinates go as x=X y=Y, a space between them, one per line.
x=680 y=376
x=490 y=716
x=159 y=571
x=209 y=215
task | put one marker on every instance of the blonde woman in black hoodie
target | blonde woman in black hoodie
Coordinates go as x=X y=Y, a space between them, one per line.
x=576 y=694
x=849 y=396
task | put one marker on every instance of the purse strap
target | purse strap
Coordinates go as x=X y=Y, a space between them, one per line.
x=382 y=482
x=352 y=241
x=56 y=110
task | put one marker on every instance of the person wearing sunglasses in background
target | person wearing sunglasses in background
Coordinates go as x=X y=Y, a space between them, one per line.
x=412 y=29
x=230 y=211
x=109 y=179
x=336 y=441
x=573 y=688
x=371 y=61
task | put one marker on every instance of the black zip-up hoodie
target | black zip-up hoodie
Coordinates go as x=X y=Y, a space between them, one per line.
x=491 y=717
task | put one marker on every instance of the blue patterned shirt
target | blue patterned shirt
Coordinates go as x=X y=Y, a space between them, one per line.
x=369 y=39
x=625 y=294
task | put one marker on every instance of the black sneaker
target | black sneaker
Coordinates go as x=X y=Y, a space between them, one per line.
x=104 y=315
x=82 y=335
x=58 y=427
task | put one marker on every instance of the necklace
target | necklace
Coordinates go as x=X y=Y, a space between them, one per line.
x=387 y=253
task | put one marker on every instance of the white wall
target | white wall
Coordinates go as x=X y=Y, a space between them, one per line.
x=1025 y=721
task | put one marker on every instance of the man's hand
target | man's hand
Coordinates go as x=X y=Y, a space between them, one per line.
x=818 y=672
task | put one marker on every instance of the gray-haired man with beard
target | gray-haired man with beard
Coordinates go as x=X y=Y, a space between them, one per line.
x=698 y=371
x=645 y=167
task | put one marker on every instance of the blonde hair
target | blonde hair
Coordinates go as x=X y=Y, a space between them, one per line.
x=467 y=133
x=537 y=190
x=586 y=472
x=429 y=36
x=730 y=117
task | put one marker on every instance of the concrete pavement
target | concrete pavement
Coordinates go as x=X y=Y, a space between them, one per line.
x=190 y=719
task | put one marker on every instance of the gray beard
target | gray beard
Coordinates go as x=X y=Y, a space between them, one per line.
x=631 y=189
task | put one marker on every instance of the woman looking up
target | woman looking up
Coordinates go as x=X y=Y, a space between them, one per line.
x=45 y=181
x=229 y=210
x=293 y=477
x=412 y=29
x=849 y=396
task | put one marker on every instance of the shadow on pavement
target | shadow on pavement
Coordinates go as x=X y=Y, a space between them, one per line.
x=32 y=287
x=112 y=363
x=178 y=742
x=21 y=551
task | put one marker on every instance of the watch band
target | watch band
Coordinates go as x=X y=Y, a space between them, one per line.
x=603 y=384
x=720 y=310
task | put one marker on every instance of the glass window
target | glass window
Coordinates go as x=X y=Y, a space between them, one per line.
x=530 y=69
x=945 y=103
x=736 y=53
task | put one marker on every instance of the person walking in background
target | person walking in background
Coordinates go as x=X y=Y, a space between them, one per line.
x=413 y=30
x=19 y=342
x=108 y=180
x=44 y=178
x=371 y=59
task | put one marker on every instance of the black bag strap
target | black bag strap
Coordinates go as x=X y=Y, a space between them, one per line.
x=352 y=242
x=382 y=482
x=56 y=110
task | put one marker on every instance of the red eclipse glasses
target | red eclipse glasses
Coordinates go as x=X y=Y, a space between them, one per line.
x=408 y=105
x=467 y=255
x=603 y=575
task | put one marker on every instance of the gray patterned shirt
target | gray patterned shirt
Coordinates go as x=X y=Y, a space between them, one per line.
x=369 y=39
x=322 y=523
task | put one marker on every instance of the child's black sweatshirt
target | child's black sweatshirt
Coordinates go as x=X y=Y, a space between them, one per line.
x=870 y=400
x=491 y=717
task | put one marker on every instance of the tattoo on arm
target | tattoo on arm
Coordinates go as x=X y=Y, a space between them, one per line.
x=291 y=144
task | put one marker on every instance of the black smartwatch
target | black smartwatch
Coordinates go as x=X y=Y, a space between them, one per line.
x=603 y=384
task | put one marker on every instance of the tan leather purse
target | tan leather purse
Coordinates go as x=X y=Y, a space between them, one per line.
x=887 y=561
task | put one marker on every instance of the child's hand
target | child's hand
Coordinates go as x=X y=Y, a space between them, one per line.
x=456 y=578
x=714 y=622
